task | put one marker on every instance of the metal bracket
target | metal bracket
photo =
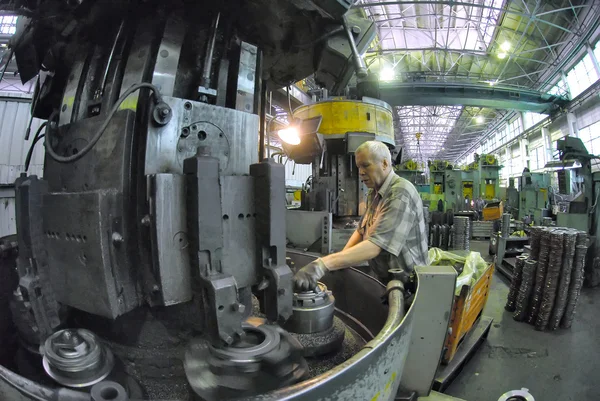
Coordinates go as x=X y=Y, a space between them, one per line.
x=223 y=314
x=269 y=198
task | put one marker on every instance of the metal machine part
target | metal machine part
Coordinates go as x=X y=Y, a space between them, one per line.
x=264 y=359
x=312 y=311
x=108 y=391
x=517 y=395
x=39 y=313
x=313 y=323
x=76 y=358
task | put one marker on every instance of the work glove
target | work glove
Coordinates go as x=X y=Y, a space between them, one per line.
x=306 y=279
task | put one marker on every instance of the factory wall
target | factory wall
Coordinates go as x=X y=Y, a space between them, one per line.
x=14 y=119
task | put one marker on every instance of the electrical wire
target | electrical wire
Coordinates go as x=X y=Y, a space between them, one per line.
x=36 y=138
x=98 y=134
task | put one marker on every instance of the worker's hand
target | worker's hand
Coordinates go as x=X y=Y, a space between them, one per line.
x=307 y=277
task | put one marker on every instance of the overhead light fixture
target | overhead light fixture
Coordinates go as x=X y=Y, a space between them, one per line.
x=386 y=74
x=479 y=119
x=501 y=55
x=492 y=83
x=505 y=46
x=289 y=135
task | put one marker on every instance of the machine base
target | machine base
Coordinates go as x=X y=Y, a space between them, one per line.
x=470 y=344
x=506 y=267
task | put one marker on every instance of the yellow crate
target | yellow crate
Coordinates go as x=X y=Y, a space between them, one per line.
x=467 y=308
x=493 y=213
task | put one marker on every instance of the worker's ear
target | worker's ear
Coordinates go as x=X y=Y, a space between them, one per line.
x=386 y=163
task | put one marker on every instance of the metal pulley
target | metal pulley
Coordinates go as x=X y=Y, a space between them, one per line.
x=76 y=358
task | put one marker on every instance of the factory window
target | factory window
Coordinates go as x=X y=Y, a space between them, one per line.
x=505 y=170
x=536 y=158
x=560 y=89
x=501 y=136
x=590 y=136
x=516 y=164
x=582 y=76
x=530 y=119
x=514 y=129
x=8 y=25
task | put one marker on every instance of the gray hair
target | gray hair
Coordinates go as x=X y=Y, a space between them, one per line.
x=378 y=151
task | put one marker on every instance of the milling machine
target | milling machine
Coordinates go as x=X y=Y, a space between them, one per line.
x=157 y=229
x=330 y=131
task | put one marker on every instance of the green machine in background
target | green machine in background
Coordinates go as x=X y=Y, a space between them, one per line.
x=413 y=171
x=533 y=193
x=575 y=184
x=453 y=191
x=488 y=180
x=485 y=175
x=437 y=182
x=469 y=184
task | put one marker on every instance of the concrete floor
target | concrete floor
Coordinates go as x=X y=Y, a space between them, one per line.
x=555 y=366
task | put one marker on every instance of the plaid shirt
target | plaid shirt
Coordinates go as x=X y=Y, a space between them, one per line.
x=394 y=222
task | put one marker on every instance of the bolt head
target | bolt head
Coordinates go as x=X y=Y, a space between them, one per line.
x=238 y=307
x=117 y=238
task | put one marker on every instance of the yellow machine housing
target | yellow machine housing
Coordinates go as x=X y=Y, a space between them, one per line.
x=341 y=117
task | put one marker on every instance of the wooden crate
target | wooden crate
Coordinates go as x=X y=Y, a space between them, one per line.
x=467 y=308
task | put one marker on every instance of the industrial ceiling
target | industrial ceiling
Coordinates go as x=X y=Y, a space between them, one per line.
x=464 y=65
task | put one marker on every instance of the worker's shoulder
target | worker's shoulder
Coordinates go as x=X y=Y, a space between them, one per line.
x=401 y=187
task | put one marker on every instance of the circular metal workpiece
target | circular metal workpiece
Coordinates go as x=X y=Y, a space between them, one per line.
x=312 y=311
x=75 y=358
x=265 y=359
x=258 y=341
x=517 y=395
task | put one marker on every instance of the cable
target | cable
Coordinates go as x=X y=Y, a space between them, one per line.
x=36 y=138
x=97 y=135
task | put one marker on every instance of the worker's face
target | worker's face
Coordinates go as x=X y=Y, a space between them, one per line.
x=371 y=172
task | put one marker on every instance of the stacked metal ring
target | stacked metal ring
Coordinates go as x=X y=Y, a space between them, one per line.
x=462 y=229
x=551 y=280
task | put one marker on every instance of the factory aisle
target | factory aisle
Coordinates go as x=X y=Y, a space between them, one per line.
x=561 y=365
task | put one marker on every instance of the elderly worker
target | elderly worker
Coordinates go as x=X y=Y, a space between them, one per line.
x=391 y=234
